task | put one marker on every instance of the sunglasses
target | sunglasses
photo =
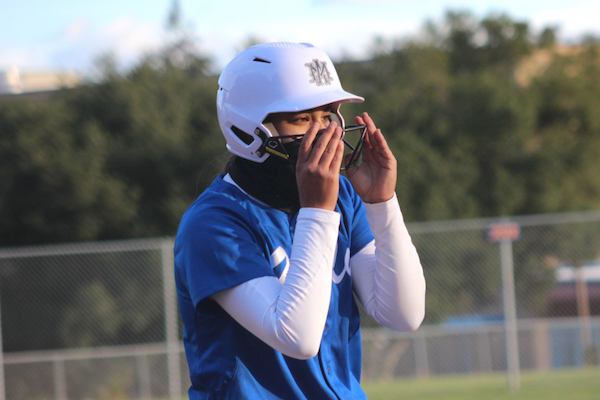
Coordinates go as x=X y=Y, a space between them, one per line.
x=353 y=137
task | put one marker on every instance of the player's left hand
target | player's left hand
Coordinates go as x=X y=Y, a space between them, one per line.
x=374 y=180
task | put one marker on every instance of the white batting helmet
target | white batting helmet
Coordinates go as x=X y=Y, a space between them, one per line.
x=273 y=78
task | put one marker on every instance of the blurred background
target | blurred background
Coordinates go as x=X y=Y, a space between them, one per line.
x=108 y=132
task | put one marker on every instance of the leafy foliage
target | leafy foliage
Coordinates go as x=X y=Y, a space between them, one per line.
x=124 y=155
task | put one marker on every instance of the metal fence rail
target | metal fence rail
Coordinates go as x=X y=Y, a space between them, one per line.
x=58 y=373
x=141 y=371
x=545 y=344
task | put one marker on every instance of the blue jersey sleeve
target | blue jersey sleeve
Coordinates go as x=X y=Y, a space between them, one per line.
x=217 y=248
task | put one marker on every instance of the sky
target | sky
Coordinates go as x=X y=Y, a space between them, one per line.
x=69 y=35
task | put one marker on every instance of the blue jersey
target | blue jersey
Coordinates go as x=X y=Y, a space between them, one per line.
x=226 y=238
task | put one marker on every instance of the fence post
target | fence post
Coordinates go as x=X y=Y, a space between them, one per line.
x=421 y=357
x=583 y=312
x=2 y=387
x=506 y=233
x=484 y=350
x=510 y=315
x=597 y=344
x=171 y=320
x=145 y=391
x=60 y=379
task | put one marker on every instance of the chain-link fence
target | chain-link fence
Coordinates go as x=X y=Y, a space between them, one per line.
x=96 y=320
x=99 y=320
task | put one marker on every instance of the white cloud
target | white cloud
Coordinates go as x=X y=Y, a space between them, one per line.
x=76 y=29
x=572 y=20
x=321 y=2
x=337 y=37
x=127 y=37
x=81 y=43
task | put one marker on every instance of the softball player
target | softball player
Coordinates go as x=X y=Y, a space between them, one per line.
x=268 y=258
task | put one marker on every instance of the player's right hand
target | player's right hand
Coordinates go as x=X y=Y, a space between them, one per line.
x=318 y=167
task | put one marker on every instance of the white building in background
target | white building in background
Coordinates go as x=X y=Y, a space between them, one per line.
x=12 y=81
x=568 y=274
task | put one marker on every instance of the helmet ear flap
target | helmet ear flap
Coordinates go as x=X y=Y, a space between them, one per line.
x=271 y=128
x=243 y=136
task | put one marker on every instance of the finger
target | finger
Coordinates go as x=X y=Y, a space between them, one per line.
x=371 y=128
x=306 y=144
x=385 y=152
x=380 y=149
x=336 y=162
x=365 y=119
x=375 y=142
x=331 y=149
x=378 y=142
x=320 y=145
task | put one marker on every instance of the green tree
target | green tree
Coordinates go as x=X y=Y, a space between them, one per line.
x=562 y=165
x=495 y=42
x=162 y=134
x=55 y=187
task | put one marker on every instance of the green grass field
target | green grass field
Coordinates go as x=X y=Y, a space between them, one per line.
x=574 y=384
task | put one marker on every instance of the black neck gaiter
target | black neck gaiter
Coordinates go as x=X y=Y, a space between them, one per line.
x=273 y=182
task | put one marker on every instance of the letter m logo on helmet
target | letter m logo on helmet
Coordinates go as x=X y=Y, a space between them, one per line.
x=319 y=73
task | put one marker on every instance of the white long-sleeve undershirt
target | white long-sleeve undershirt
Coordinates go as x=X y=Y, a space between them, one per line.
x=387 y=275
x=290 y=315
